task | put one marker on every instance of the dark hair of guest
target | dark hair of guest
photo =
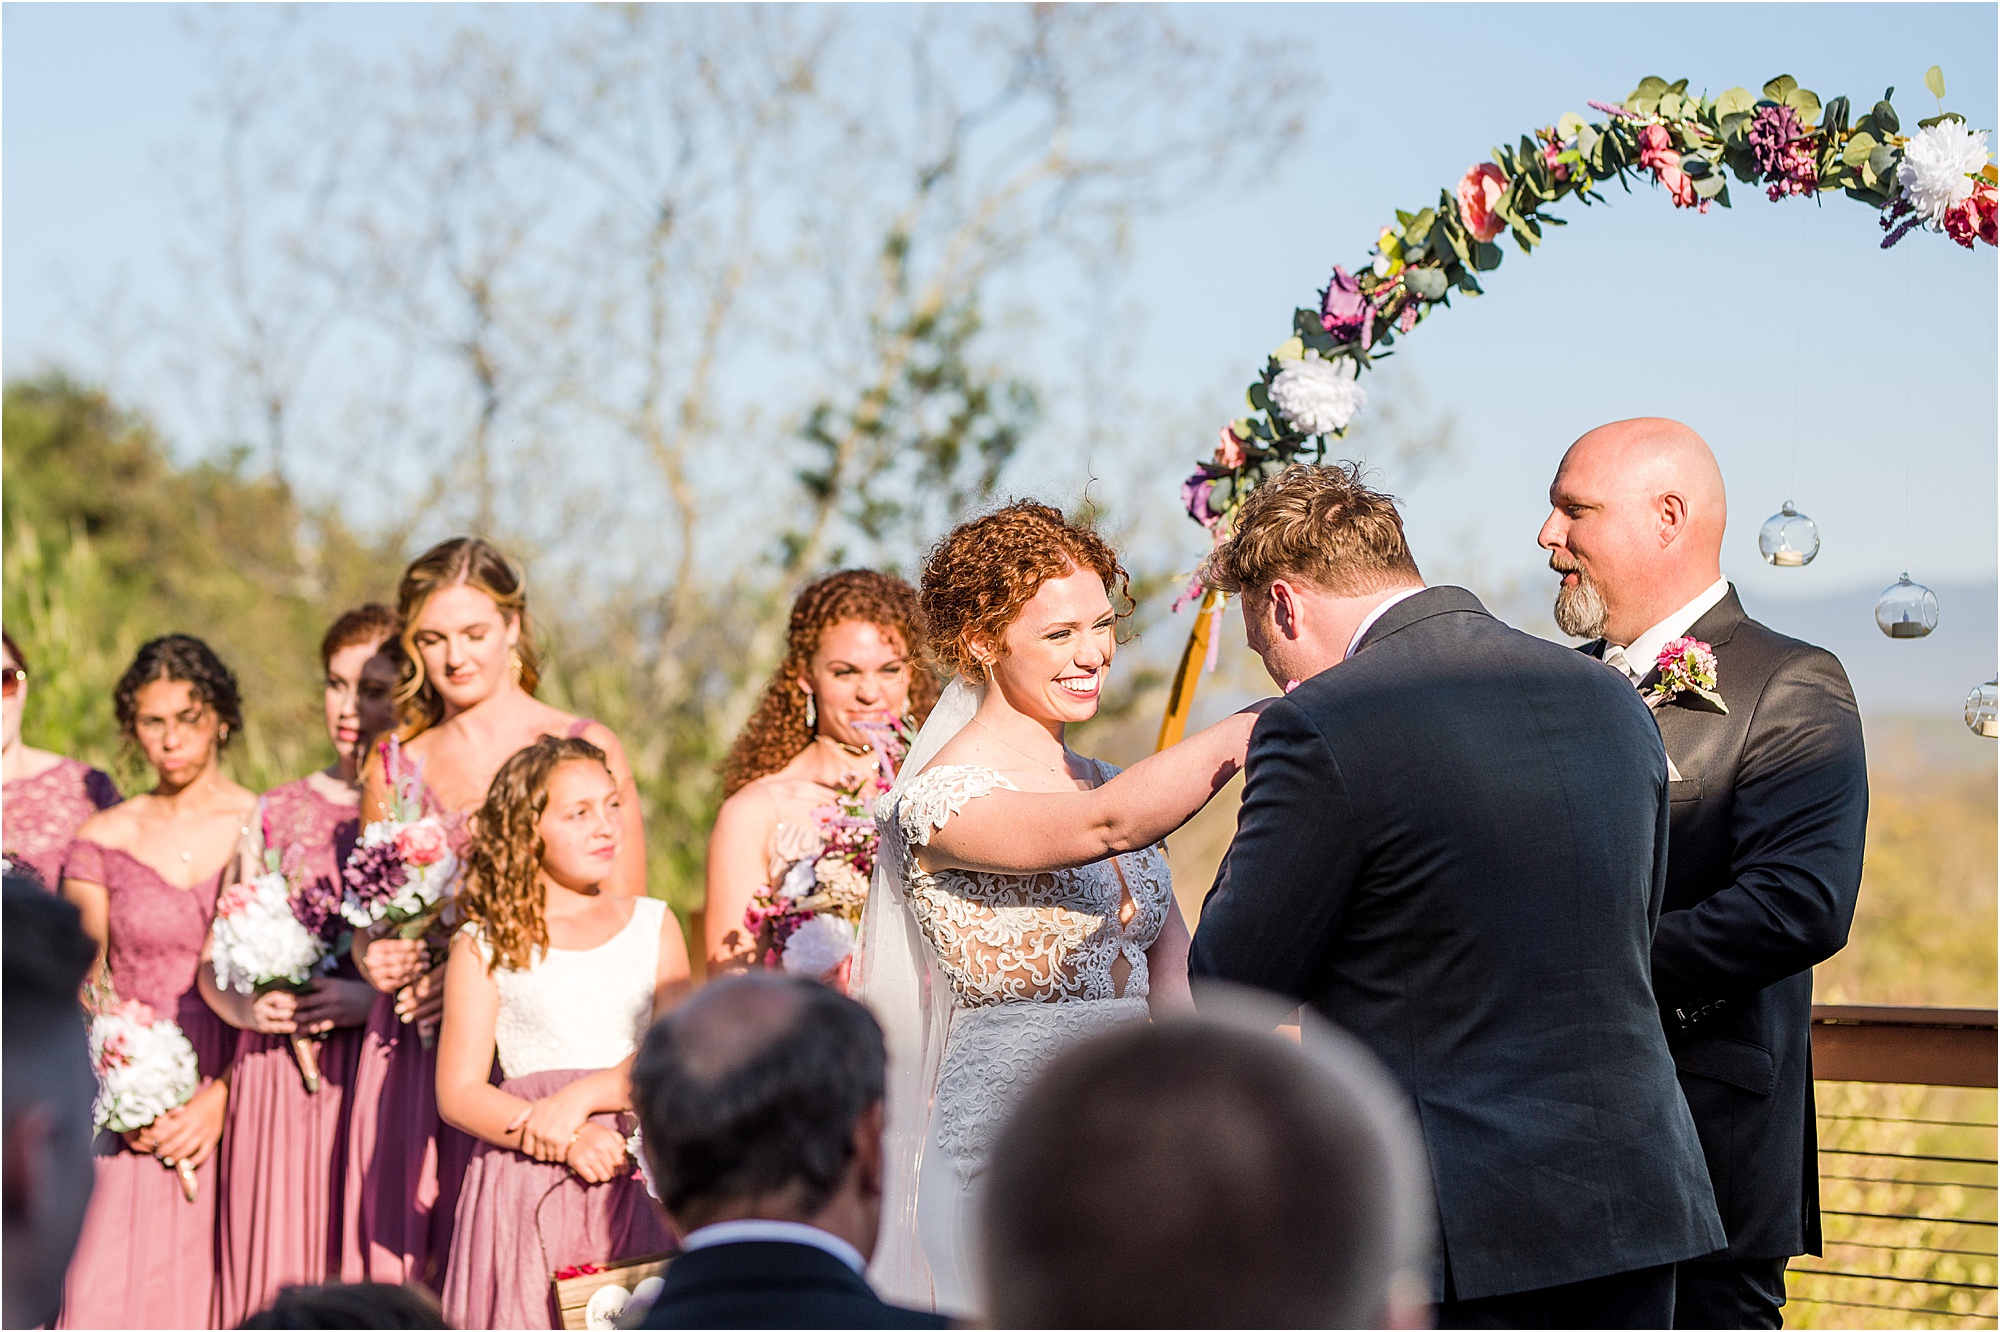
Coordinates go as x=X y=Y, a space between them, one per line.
x=754 y=1087
x=1246 y=1185
x=186 y=658
x=367 y=1304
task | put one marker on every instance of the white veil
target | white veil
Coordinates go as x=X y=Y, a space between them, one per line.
x=900 y=982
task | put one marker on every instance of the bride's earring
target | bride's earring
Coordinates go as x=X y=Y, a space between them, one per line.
x=514 y=664
x=812 y=711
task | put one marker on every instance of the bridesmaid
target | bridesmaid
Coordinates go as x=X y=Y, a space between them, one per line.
x=465 y=704
x=145 y=874
x=562 y=978
x=853 y=656
x=280 y=1173
x=46 y=796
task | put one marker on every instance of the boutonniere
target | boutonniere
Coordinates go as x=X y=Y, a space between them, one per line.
x=1686 y=666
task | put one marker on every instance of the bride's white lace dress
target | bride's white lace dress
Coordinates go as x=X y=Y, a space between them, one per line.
x=1029 y=963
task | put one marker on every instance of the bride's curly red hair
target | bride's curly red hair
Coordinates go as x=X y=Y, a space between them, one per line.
x=977 y=579
x=777 y=730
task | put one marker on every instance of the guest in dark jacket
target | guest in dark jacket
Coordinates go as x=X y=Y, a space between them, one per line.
x=1453 y=843
x=1769 y=796
x=760 y=1104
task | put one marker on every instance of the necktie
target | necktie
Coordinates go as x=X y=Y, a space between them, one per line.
x=1615 y=657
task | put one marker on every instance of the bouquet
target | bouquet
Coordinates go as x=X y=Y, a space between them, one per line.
x=269 y=936
x=807 y=923
x=403 y=870
x=145 y=1066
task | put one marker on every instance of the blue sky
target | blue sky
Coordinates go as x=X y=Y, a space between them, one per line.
x=1857 y=382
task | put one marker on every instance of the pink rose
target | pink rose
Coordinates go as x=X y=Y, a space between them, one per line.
x=1478 y=194
x=138 y=1011
x=422 y=843
x=1656 y=148
x=1229 y=450
x=235 y=898
x=1551 y=151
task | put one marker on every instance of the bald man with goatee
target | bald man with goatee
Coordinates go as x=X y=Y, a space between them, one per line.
x=1768 y=807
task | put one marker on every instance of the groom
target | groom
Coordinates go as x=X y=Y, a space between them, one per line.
x=1453 y=844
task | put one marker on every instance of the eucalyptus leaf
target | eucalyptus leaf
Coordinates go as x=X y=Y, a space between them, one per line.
x=1569 y=124
x=1709 y=186
x=1778 y=87
x=1884 y=115
x=1882 y=160
x=1650 y=86
x=1806 y=103
x=1291 y=349
x=1934 y=80
x=1735 y=101
x=1428 y=283
x=1486 y=256
x=1858 y=149
x=1670 y=106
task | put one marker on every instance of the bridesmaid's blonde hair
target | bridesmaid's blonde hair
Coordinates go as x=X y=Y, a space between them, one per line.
x=475 y=562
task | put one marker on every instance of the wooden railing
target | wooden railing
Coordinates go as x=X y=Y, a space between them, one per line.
x=1907 y=1170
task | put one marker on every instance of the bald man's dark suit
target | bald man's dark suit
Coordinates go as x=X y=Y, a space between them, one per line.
x=1768 y=817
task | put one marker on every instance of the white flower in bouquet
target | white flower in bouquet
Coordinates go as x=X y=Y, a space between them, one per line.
x=1939 y=163
x=145 y=1066
x=842 y=882
x=636 y=1145
x=398 y=871
x=258 y=941
x=1318 y=397
x=800 y=879
x=819 y=945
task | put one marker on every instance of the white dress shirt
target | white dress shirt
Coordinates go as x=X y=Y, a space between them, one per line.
x=1368 y=622
x=1639 y=656
x=754 y=1230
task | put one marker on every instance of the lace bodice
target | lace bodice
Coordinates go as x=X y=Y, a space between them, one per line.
x=299 y=820
x=579 y=1008
x=44 y=811
x=1028 y=938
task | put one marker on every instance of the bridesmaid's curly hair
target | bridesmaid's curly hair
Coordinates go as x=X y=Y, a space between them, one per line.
x=501 y=891
x=777 y=730
x=185 y=658
x=977 y=579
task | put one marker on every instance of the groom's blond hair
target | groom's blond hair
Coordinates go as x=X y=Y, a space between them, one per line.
x=1318 y=525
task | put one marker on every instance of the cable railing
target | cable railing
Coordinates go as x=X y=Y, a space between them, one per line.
x=1907 y=1171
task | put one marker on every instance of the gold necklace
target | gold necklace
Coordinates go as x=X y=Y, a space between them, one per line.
x=855 y=751
x=1059 y=772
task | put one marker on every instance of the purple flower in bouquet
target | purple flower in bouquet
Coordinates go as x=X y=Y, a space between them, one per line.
x=1344 y=311
x=374 y=874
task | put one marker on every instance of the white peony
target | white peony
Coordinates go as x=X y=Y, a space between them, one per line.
x=144 y=1067
x=799 y=879
x=822 y=943
x=1938 y=165
x=1318 y=397
x=258 y=940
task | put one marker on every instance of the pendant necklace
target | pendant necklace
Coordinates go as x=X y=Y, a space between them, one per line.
x=1055 y=771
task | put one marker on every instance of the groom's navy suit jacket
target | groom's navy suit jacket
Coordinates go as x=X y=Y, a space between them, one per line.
x=1770 y=810
x=1454 y=845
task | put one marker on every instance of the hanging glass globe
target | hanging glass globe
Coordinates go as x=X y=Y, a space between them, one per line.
x=1982 y=710
x=1907 y=610
x=1788 y=538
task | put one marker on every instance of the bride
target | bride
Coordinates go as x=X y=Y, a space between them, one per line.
x=1021 y=900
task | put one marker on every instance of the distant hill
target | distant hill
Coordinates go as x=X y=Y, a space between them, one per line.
x=1928 y=676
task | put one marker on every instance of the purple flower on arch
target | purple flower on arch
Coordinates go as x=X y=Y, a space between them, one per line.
x=1344 y=311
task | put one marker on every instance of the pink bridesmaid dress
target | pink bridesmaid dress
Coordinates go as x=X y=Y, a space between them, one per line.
x=572 y=1013
x=44 y=811
x=281 y=1169
x=147 y=1255
x=402 y=1163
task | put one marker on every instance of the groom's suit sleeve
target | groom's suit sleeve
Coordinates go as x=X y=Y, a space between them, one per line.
x=1270 y=918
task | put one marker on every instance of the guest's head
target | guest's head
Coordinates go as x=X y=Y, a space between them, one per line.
x=1635 y=523
x=368 y=1304
x=1203 y=1173
x=551 y=820
x=13 y=692
x=360 y=679
x=1313 y=550
x=1021 y=599
x=761 y=1097
x=854 y=656
x=466 y=635
x=48 y=1087
x=180 y=705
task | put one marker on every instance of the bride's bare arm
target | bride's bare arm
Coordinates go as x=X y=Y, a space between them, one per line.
x=1026 y=832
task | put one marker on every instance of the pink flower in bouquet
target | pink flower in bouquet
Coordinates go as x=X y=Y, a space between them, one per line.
x=1229 y=450
x=138 y=1011
x=1478 y=195
x=423 y=842
x=1552 y=151
x=236 y=898
x=1656 y=148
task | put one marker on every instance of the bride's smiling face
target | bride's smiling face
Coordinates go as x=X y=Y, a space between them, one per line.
x=1056 y=652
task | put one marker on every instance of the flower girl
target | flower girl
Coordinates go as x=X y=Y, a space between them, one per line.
x=562 y=978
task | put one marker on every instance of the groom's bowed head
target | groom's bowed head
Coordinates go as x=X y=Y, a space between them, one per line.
x=1315 y=557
